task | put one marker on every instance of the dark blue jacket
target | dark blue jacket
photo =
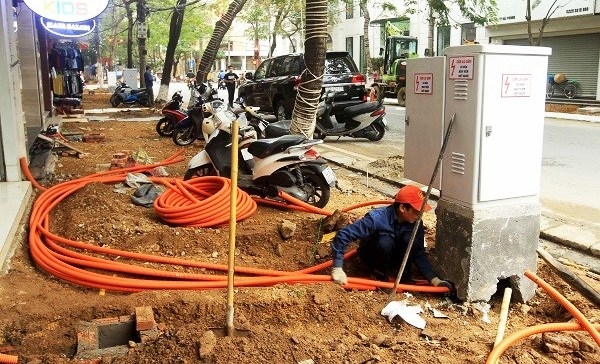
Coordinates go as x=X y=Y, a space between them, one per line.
x=148 y=79
x=383 y=220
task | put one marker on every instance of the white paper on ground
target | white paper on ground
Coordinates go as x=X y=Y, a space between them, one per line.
x=436 y=313
x=410 y=314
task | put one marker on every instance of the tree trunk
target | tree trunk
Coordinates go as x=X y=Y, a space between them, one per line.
x=129 y=13
x=174 y=33
x=221 y=27
x=309 y=90
x=430 y=31
x=276 y=25
x=367 y=44
x=141 y=17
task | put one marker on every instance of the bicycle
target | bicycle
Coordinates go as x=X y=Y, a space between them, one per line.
x=560 y=84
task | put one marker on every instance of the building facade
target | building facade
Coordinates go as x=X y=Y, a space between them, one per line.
x=573 y=33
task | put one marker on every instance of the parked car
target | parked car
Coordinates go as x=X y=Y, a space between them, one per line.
x=274 y=85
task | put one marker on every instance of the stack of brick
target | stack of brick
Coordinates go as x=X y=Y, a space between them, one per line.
x=94 y=137
x=122 y=160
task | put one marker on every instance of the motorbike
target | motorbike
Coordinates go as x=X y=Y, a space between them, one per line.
x=185 y=132
x=172 y=115
x=266 y=167
x=129 y=96
x=366 y=120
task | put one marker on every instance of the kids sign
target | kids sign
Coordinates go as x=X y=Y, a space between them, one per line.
x=69 y=11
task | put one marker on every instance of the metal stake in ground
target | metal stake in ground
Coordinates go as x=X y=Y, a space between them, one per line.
x=422 y=210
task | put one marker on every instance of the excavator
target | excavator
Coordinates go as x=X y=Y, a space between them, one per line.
x=398 y=48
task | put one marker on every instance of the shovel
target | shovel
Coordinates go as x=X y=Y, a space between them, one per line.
x=229 y=329
x=422 y=210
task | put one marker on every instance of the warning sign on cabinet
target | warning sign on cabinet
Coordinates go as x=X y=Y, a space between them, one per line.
x=461 y=68
x=424 y=83
x=516 y=85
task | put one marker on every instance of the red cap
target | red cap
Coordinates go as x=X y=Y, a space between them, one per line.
x=413 y=196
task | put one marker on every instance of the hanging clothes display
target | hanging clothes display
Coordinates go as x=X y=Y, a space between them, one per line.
x=66 y=66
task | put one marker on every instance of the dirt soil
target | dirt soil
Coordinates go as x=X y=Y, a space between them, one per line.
x=41 y=314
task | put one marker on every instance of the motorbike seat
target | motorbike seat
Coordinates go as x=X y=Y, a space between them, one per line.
x=278 y=128
x=265 y=147
x=365 y=107
x=137 y=91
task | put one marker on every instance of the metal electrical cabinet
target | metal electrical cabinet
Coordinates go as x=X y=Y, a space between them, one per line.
x=424 y=124
x=497 y=94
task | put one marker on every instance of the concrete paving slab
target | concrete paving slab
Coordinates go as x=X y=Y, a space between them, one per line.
x=574 y=236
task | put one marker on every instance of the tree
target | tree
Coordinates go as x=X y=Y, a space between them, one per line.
x=367 y=45
x=477 y=11
x=309 y=89
x=174 y=34
x=221 y=27
x=255 y=17
x=551 y=10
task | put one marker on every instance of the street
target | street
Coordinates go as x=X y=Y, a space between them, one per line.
x=570 y=167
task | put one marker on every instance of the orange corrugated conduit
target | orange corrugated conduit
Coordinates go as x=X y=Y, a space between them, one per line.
x=582 y=324
x=9 y=359
x=197 y=202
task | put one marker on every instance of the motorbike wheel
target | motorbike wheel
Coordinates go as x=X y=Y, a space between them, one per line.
x=378 y=134
x=184 y=136
x=320 y=188
x=164 y=127
x=201 y=171
x=144 y=101
x=570 y=90
x=115 y=100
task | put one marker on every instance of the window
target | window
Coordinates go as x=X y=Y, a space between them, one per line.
x=339 y=64
x=349 y=9
x=261 y=72
x=350 y=45
x=468 y=33
x=443 y=39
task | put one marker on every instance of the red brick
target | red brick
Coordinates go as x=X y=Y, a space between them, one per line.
x=144 y=318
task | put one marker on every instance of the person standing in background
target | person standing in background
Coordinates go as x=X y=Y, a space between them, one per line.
x=230 y=82
x=149 y=81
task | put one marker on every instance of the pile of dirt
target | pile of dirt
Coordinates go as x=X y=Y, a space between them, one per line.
x=40 y=314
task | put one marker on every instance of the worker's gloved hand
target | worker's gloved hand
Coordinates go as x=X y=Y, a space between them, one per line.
x=339 y=276
x=441 y=283
x=452 y=294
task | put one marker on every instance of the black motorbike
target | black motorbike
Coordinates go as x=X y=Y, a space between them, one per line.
x=124 y=94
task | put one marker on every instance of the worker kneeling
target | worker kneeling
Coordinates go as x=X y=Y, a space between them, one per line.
x=384 y=234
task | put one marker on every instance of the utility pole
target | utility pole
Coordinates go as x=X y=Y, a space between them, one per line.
x=142 y=35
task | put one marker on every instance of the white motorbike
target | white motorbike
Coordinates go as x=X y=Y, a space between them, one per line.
x=366 y=120
x=266 y=166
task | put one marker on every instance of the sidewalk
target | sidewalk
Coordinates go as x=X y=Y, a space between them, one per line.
x=572 y=234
